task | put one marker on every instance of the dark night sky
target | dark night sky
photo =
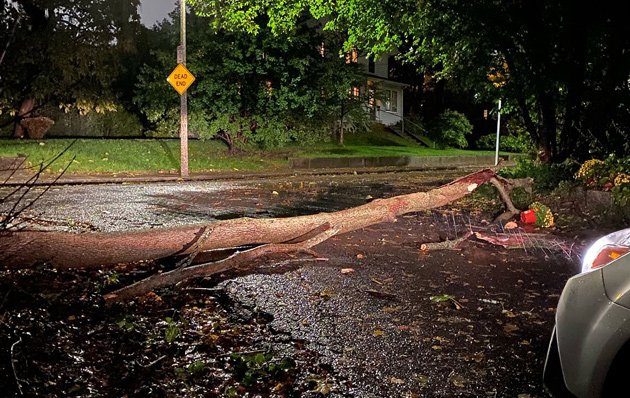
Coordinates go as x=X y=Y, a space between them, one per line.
x=155 y=10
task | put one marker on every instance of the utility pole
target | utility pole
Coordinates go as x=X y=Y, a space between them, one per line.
x=181 y=59
x=496 y=157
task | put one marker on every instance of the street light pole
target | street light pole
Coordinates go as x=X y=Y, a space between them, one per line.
x=496 y=156
x=181 y=59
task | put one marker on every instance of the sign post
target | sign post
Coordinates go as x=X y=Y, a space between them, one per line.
x=181 y=79
x=496 y=157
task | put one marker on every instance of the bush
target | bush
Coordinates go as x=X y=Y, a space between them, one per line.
x=546 y=176
x=450 y=129
x=612 y=174
x=37 y=127
x=119 y=123
x=168 y=126
x=509 y=143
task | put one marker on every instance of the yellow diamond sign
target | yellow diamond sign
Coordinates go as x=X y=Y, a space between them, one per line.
x=180 y=78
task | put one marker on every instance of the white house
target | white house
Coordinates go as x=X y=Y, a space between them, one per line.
x=385 y=96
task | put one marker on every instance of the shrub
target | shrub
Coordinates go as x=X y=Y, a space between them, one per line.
x=168 y=125
x=546 y=176
x=37 y=127
x=612 y=174
x=544 y=216
x=450 y=129
x=119 y=123
x=510 y=143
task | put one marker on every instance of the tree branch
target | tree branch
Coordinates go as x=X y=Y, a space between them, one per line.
x=241 y=261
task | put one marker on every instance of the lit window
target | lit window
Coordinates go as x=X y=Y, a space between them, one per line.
x=352 y=57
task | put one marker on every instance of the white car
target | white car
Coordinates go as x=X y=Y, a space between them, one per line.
x=589 y=352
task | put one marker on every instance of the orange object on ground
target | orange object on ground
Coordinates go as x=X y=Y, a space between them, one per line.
x=528 y=217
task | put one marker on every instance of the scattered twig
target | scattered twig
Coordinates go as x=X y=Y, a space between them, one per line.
x=542 y=242
x=19 y=207
x=45 y=190
x=13 y=170
x=17 y=380
x=150 y=364
x=445 y=245
x=381 y=295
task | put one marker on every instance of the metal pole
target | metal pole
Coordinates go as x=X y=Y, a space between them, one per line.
x=183 y=130
x=496 y=157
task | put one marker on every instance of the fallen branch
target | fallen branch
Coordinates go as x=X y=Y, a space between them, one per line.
x=381 y=295
x=446 y=244
x=239 y=261
x=25 y=249
x=526 y=241
x=504 y=192
x=13 y=360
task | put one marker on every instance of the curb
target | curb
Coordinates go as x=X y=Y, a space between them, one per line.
x=144 y=179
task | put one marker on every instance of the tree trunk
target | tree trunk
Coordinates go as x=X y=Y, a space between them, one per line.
x=547 y=145
x=25 y=111
x=341 y=123
x=24 y=249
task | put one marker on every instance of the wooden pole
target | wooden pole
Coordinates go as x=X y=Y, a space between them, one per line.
x=183 y=131
x=496 y=157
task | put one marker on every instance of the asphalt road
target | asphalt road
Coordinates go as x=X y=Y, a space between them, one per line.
x=373 y=324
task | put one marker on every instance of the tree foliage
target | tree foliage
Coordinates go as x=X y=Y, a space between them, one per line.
x=563 y=65
x=450 y=128
x=64 y=52
x=266 y=89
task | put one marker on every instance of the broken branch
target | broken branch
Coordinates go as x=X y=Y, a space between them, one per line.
x=240 y=261
x=445 y=245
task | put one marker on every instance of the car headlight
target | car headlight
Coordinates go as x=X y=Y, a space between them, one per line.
x=606 y=250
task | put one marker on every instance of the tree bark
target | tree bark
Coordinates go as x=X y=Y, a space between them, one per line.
x=25 y=111
x=24 y=249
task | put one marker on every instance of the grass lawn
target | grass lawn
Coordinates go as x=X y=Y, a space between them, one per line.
x=379 y=142
x=155 y=155
x=134 y=155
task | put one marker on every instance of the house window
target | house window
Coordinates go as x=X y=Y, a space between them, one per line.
x=352 y=57
x=390 y=100
x=371 y=66
x=354 y=92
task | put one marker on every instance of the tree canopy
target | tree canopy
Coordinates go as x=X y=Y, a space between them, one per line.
x=562 y=65
x=267 y=88
x=62 y=52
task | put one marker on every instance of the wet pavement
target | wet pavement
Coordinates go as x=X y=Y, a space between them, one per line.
x=396 y=322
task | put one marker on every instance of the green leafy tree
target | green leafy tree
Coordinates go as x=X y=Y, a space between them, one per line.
x=450 y=128
x=64 y=53
x=265 y=89
x=563 y=65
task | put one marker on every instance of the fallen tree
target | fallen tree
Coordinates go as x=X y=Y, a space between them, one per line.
x=25 y=249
